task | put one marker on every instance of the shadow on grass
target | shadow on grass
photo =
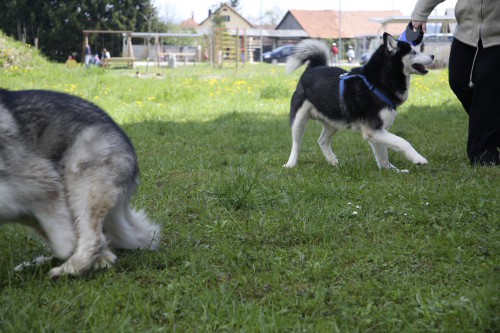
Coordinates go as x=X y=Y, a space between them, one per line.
x=438 y=133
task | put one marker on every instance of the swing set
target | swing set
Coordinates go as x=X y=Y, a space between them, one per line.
x=127 y=59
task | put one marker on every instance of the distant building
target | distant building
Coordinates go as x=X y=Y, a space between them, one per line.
x=190 y=23
x=230 y=17
x=360 y=29
x=326 y=23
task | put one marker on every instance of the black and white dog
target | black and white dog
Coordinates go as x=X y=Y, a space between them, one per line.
x=364 y=99
x=68 y=171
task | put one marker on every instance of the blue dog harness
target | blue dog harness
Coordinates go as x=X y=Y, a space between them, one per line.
x=370 y=86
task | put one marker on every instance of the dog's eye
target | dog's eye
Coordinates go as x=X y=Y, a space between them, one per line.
x=413 y=52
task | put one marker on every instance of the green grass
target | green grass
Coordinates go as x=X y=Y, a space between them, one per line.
x=252 y=247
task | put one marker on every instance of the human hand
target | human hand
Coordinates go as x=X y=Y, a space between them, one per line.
x=419 y=24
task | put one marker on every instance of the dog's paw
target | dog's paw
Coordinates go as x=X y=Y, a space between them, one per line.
x=105 y=261
x=102 y=263
x=289 y=165
x=72 y=266
x=56 y=272
x=64 y=269
x=420 y=161
x=389 y=166
x=333 y=161
x=417 y=159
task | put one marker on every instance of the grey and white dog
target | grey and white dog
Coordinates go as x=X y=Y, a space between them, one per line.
x=68 y=171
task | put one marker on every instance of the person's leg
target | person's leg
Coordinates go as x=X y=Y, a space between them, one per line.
x=484 y=116
x=460 y=68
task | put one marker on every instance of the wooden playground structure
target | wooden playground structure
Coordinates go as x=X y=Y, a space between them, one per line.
x=128 y=59
x=229 y=46
x=221 y=46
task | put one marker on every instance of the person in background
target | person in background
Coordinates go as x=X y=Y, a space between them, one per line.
x=350 y=54
x=105 y=54
x=335 y=52
x=88 y=55
x=70 y=62
x=474 y=71
x=96 y=61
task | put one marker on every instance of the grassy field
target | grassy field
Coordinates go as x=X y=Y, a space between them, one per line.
x=249 y=246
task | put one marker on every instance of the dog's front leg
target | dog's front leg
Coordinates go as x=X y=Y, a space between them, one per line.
x=383 y=137
x=382 y=157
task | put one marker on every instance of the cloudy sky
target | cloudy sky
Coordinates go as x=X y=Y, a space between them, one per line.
x=180 y=10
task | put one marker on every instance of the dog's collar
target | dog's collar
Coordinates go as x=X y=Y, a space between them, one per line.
x=370 y=86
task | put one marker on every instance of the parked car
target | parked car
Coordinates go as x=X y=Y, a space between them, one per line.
x=279 y=54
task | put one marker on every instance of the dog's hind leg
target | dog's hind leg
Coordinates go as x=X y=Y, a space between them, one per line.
x=97 y=173
x=298 y=129
x=90 y=204
x=324 y=143
x=383 y=138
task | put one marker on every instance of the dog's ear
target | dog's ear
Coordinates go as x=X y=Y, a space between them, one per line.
x=390 y=43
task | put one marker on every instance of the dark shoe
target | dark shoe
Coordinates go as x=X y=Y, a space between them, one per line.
x=488 y=158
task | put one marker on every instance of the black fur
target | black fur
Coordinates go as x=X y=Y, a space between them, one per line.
x=367 y=102
x=320 y=85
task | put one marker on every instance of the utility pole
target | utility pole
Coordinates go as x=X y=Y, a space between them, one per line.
x=340 y=31
x=261 y=38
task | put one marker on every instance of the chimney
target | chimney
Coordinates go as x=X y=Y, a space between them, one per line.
x=192 y=16
x=209 y=12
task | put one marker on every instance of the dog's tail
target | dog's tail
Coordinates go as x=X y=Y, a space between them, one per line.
x=312 y=50
x=127 y=228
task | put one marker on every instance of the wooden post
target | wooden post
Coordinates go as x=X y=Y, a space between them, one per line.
x=237 y=52
x=130 y=49
x=157 y=48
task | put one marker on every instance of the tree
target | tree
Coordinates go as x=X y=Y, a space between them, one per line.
x=235 y=4
x=167 y=19
x=56 y=25
x=273 y=16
